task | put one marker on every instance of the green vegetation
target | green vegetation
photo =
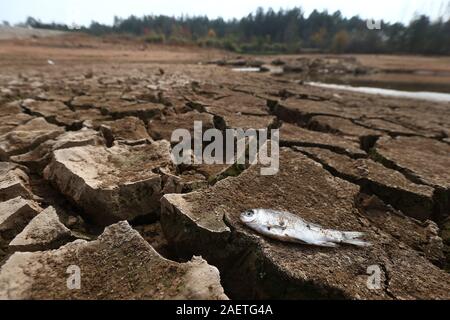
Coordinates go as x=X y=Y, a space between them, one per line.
x=285 y=31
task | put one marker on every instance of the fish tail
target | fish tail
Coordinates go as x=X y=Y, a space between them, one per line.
x=353 y=238
x=352 y=235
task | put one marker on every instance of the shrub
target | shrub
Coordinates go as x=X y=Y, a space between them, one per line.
x=155 y=38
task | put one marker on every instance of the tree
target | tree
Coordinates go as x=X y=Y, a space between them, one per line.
x=418 y=34
x=318 y=39
x=341 y=41
x=211 y=33
x=32 y=22
x=283 y=31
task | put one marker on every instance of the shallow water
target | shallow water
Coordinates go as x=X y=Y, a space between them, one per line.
x=421 y=95
x=246 y=69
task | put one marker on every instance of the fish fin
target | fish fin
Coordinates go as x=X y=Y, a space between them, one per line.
x=276 y=226
x=313 y=226
x=325 y=244
x=357 y=242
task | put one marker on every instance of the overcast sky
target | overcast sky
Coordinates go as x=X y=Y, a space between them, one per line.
x=84 y=11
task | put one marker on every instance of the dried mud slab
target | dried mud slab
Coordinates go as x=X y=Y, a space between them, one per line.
x=128 y=130
x=119 y=183
x=92 y=118
x=54 y=112
x=207 y=223
x=301 y=111
x=11 y=116
x=233 y=109
x=341 y=126
x=422 y=160
x=162 y=128
x=141 y=95
x=14 y=181
x=412 y=199
x=425 y=159
x=421 y=236
x=386 y=126
x=39 y=157
x=192 y=180
x=15 y=214
x=144 y=111
x=239 y=119
x=10 y=108
x=240 y=103
x=59 y=95
x=27 y=136
x=292 y=135
x=85 y=102
x=197 y=176
x=423 y=123
x=120 y=264
x=44 y=232
x=225 y=119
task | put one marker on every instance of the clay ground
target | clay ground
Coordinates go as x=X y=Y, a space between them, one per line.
x=85 y=127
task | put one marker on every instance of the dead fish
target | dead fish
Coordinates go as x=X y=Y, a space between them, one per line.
x=287 y=227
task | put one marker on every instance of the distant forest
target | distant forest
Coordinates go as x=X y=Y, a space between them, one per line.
x=285 y=31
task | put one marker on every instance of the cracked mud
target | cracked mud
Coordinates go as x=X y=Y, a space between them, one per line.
x=86 y=180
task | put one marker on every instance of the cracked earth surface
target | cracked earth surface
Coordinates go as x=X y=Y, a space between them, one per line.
x=86 y=179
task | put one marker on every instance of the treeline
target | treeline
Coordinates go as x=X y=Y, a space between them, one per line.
x=286 y=31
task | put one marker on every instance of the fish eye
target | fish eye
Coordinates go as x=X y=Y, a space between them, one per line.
x=249 y=213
